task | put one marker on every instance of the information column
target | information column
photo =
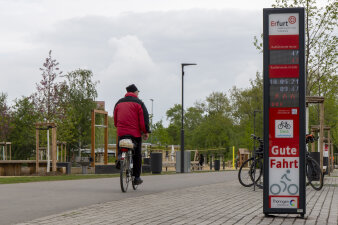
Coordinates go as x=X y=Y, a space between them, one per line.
x=284 y=111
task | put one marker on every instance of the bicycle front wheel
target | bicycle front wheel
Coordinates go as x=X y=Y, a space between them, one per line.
x=314 y=174
x=245 y=173
x=257 y=172
x=124 y=175
x=133 y=184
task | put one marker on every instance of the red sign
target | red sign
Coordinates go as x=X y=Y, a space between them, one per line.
x=278 y=71
x=279 y=42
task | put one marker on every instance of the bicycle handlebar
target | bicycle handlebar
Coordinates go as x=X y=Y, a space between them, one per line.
x=256 y=138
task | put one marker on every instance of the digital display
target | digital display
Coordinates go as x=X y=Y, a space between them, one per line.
x=282 y=57
x=284 y=92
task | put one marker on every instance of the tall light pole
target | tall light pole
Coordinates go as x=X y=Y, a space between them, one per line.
x=182 y=128
x=151 y=122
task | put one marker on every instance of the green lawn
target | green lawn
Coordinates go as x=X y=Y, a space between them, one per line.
x=27 y=179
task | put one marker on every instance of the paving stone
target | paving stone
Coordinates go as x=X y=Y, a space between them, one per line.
x=222 y=203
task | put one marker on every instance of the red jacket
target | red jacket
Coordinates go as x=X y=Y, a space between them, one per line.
x=131 y=116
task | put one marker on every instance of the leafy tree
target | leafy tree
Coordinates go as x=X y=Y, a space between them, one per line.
x=80 y=93
x=48 y=95
x=5 y=118
x=160 y=134
x=23 y=133
x=244 y=103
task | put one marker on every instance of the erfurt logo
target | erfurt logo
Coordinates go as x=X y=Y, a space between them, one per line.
x=292 y=19
x=278 y=23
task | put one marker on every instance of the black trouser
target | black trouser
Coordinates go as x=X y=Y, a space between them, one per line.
x=137 y=155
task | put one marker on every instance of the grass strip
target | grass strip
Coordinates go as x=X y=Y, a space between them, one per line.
x=28 y=179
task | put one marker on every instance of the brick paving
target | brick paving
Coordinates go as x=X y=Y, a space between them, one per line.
x=222 y=203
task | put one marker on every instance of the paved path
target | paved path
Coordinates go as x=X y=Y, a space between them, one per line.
x=28 y=201
x=217 y=203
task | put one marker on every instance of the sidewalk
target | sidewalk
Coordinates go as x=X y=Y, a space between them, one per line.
x=222 y=203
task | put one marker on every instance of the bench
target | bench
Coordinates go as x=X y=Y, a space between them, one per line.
x=13 y=167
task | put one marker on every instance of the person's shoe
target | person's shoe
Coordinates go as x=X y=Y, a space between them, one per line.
x=138 y=181
x=118 y=164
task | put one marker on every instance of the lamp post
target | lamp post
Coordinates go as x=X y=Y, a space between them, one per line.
x=182 y=129
x=255 y=111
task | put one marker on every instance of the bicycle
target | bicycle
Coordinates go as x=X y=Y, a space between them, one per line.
x=284 y=124
x=314 y=175
x=126 y=147
x=255 y=164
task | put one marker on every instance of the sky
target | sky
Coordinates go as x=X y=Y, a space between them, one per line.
x=133 y=41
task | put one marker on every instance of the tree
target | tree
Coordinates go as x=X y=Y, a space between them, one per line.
x=244 y=103
x=5 y=118
x=48 y=95
x=160 y=134
x=218 y=103
x=23 y=133
x=78 y=103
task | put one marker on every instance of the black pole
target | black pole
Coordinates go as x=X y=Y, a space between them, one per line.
x=182 y=125
x=254 y=178
x=182 y=128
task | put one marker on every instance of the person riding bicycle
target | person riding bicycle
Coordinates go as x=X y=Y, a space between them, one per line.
x=131 y=119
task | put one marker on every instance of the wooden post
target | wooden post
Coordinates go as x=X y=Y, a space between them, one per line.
x=313 y=147
x=321 y=134
x=65 y=154
x=37 y=151
x=93 y=139
x=329 y=152
x=106 y=139
x=54 y=149
x=332 y=158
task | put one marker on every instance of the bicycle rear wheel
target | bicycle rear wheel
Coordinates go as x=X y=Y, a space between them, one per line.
x=124 y=175
x=257 y=172
x=244 y=173
x=314 y=174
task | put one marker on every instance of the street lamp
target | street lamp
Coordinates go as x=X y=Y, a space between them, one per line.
x=182 y=129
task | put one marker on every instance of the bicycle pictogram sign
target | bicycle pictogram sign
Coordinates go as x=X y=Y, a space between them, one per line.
x=284 y=124
x=276 y=189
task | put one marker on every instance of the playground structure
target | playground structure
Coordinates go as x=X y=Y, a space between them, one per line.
x=61 y=151
x=317 y=100
x=326 y=141
x=5 y=146
x=243 y=155
x=105 y=126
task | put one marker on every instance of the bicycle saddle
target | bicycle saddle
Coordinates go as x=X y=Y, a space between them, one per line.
x=126 y=143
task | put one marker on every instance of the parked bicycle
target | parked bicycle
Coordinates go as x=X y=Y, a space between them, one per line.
x=126 y=147
x=251 y=171
x=314 y=175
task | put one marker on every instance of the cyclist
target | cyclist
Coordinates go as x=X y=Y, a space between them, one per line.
x=131 y=119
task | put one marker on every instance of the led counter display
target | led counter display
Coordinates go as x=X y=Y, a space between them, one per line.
x=284 y=57
x=284 y=92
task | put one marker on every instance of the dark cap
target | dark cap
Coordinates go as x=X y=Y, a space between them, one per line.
x=131 y=88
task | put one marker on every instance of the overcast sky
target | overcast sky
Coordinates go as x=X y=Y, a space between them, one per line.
x=133 y=41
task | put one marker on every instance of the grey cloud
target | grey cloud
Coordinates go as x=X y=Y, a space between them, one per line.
x=220 y=41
